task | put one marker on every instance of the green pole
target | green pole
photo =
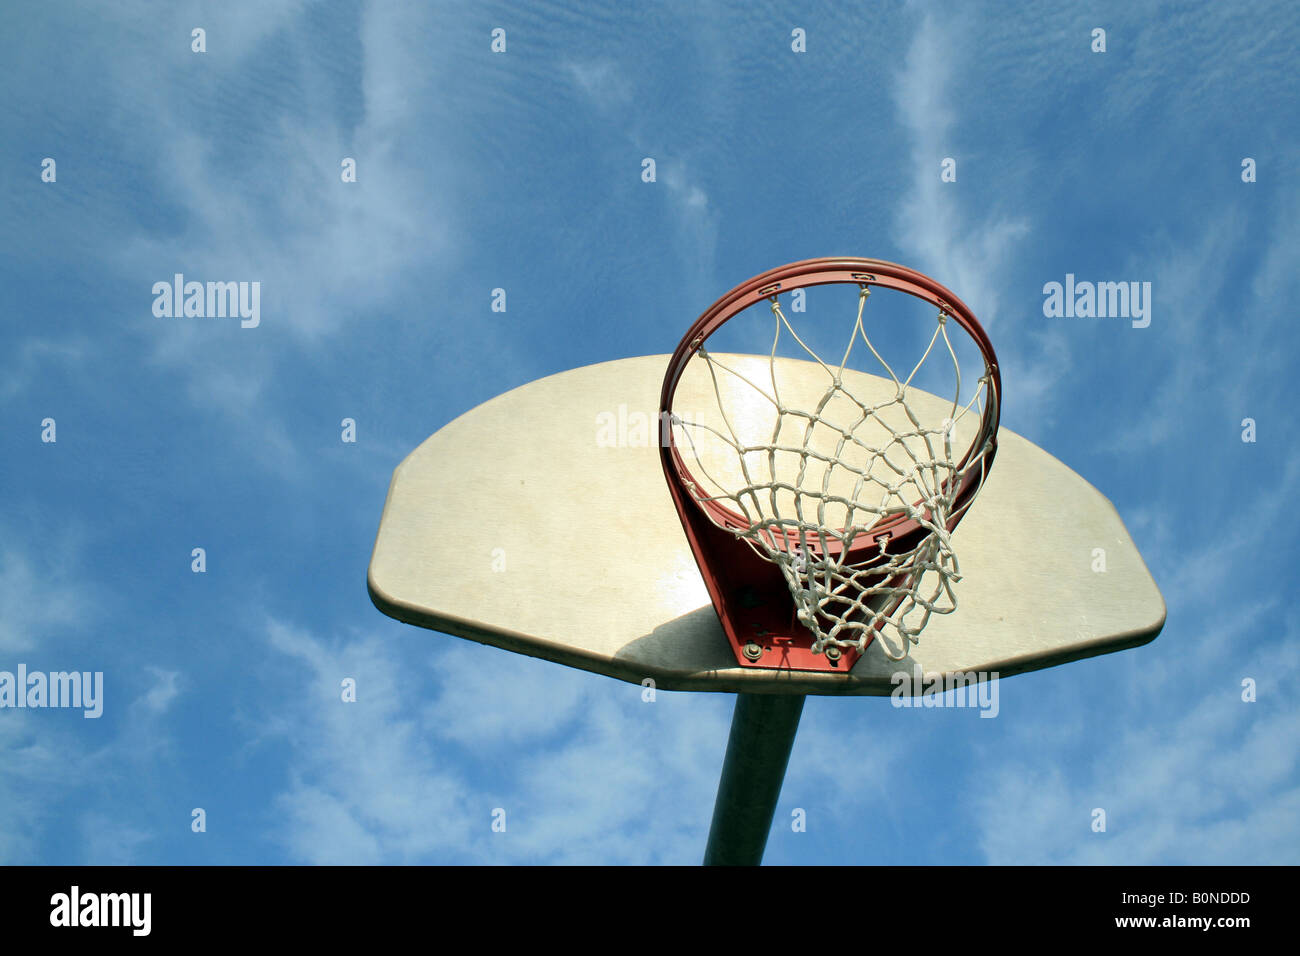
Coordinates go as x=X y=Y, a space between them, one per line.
x=763 y=727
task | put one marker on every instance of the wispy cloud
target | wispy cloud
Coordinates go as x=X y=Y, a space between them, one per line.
x=55 y=778
x=606 y=86
x=164 y=690
x=600 y=81
x=489 y=700
x=37 y=764
x=33 y=359
x=1185 y=769
x=367 y=786
x=1189 y=281
x=1210 y=782
x=966 y=249
x=606 y=777
x=108 y=841
x=37 y=602
x=634 y=784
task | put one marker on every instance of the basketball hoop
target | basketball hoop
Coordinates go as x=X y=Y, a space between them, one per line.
x=794 y=588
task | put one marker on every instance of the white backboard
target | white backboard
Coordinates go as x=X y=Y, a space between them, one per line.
x=540 y=522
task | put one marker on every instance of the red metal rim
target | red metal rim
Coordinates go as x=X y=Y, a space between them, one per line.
x=901 y=531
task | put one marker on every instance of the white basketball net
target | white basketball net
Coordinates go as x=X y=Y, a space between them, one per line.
x=914 y=472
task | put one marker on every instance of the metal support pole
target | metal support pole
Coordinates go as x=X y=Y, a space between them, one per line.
x=763 y=727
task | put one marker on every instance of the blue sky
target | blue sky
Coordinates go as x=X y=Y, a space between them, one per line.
x=522 y=170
